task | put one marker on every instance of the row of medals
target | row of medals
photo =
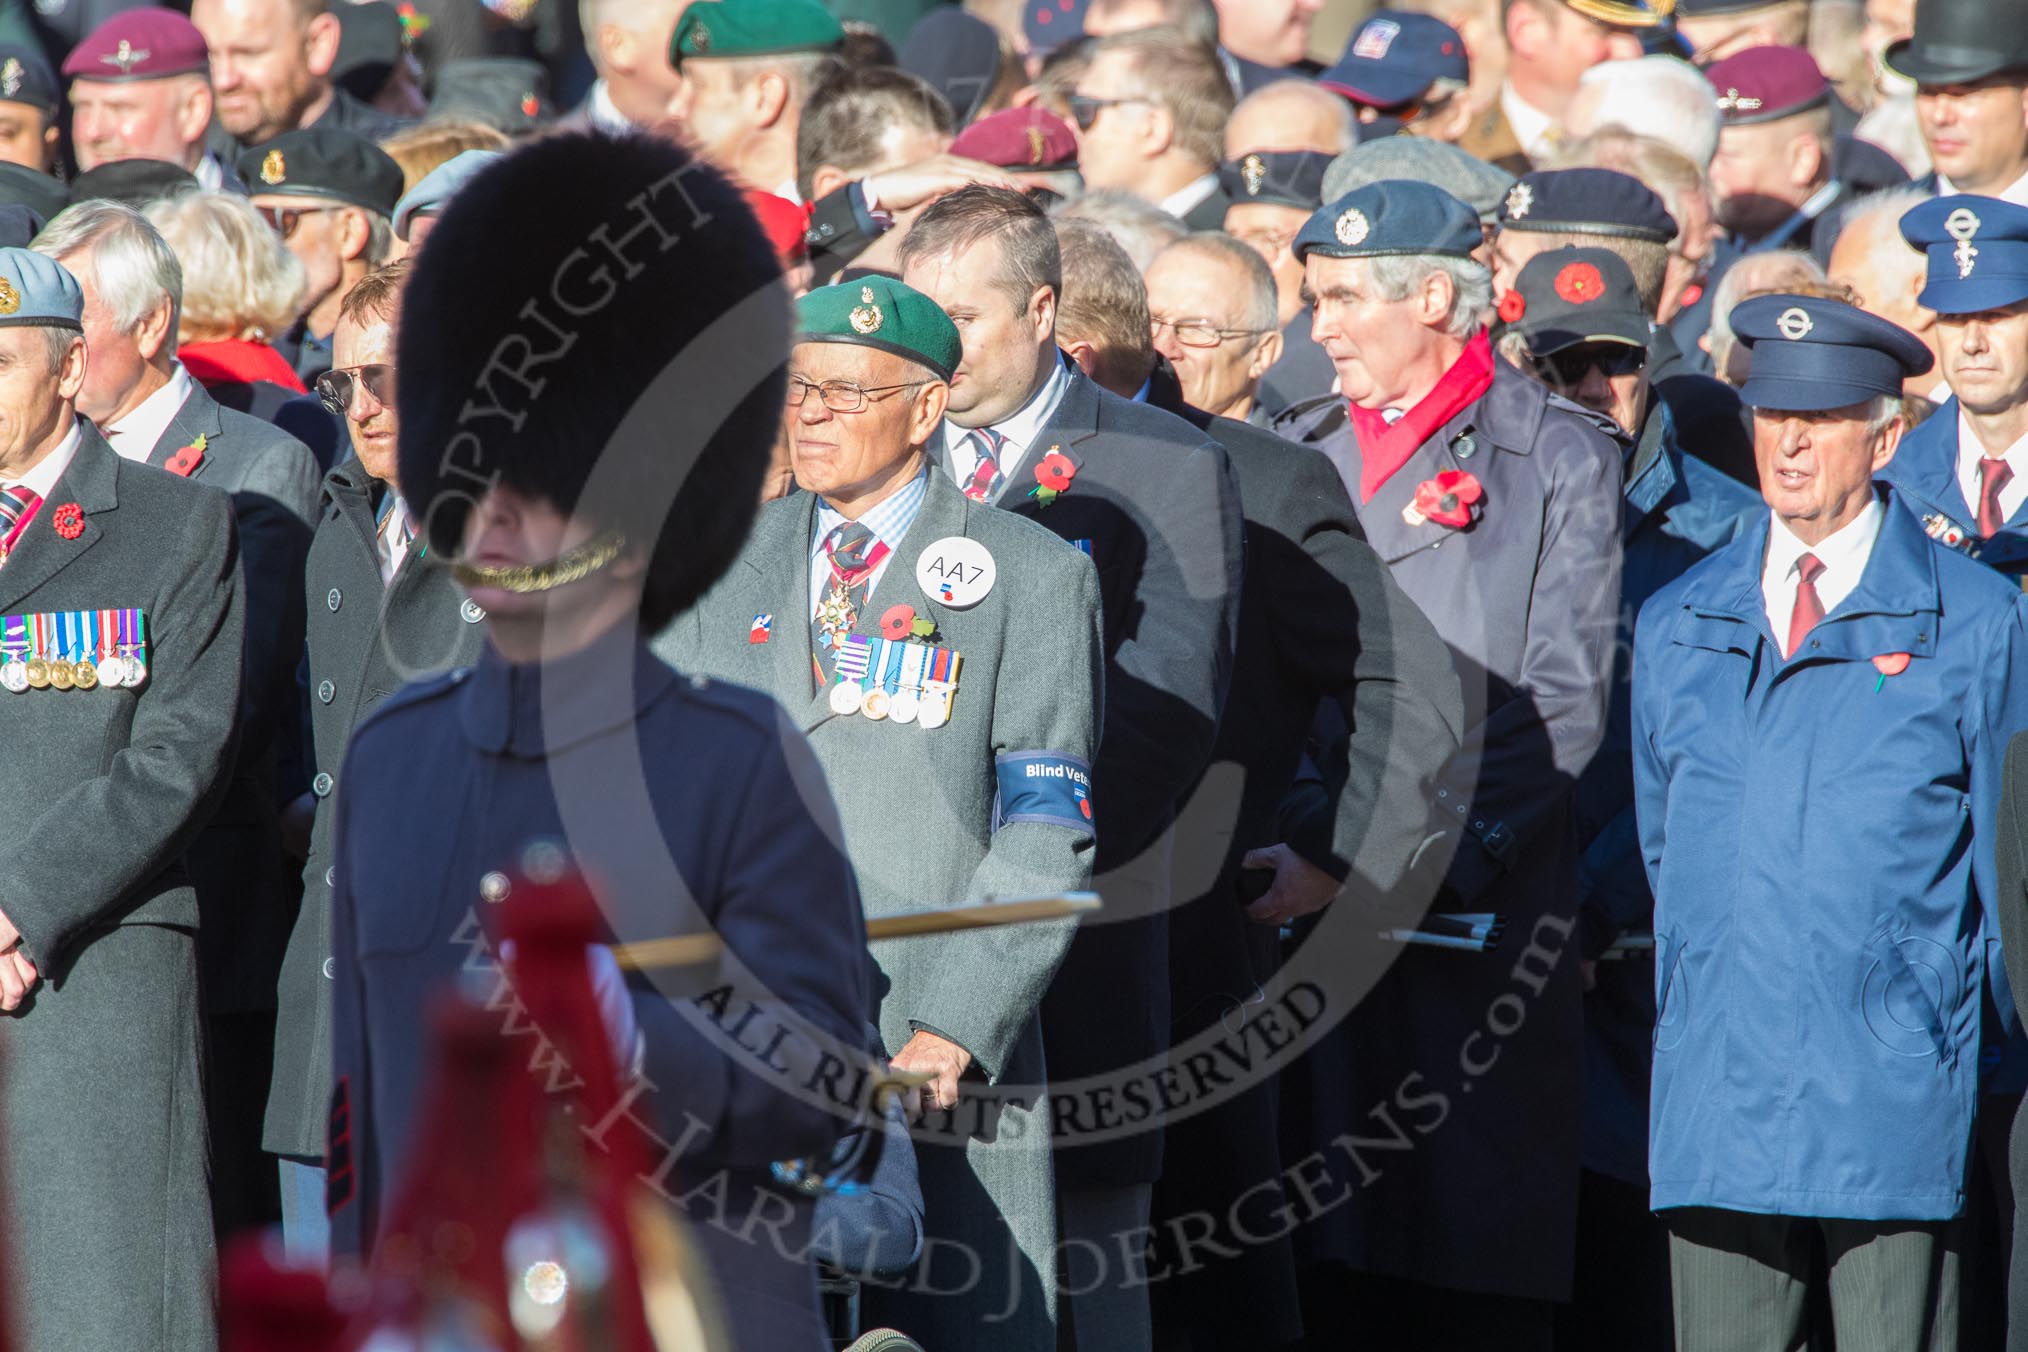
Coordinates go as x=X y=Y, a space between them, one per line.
x=54 y=673
x=928 y=708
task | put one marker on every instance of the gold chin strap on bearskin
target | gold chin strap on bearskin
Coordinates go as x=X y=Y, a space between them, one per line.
x=528 y=578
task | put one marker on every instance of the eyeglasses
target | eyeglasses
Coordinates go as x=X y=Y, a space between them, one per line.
x=1198 y=332
x=335 y=387
x=284 y=220
x=1084 y=109
x=843 y=396
x=1573 y=364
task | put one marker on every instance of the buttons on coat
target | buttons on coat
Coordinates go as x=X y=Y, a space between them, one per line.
x=321 y=786
x=326 y=691
x=472 y=611
x=494 y=887
x=330 y=969
x=334 y=598
x=331 y=876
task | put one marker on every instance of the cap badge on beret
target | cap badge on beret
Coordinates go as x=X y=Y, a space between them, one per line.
x=1038 y=148
x=125 y=57
x=1253 y=172
x=273 y=168
x=10 y=77
x=1579 y=283
x=1732 y=101
x=866 y=317
x=1794 y=323
x=700 y=39
x=10 y=299
x=1352 y=228
x=1520 y=201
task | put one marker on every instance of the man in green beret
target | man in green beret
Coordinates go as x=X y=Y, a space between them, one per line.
x=745 y=69
x=944 y=659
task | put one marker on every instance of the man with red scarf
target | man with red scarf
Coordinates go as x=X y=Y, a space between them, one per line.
x=1445 y=1108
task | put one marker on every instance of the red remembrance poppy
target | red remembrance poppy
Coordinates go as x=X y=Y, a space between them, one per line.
x=1448 y=498
x=1580 y=283
x=1513 y=307
x=184 y=460
x=896 y=621
x=69 y=521
x=1055 y=472
x=1891 y=664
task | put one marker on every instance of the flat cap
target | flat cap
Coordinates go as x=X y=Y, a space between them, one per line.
x=1762 y=84
x=1572 y=295
x=25 y=78
x=1020 y=138
x=134 y=182
x=1587 y=202
x=324 y=162
x=508 y=93
x=139 y=44
x=1282 y=178
x=38 y=290
x=753 y=28
x=1391 y=218
x=1395 y=56
x=1464 y=176
x=436 y=188
x=877 y=311
x=1811 y=354
x=1977 y=250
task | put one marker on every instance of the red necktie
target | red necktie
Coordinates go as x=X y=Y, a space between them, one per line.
x=1994 y=475
x=1809 y=607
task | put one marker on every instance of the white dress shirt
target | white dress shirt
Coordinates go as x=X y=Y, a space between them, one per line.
x=135 y=435
x=1185 y=199
x=41 y=480
x=1843 y=553
x=1019 y=431
x=604 y=114
x=1971 y=451
x=1533 y=128
x=2015 y=192
x=888 y=519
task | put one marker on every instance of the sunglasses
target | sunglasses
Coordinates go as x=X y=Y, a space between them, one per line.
x=1085 y=110
x=284 y=220
x=336 y=386
x=1573 y=364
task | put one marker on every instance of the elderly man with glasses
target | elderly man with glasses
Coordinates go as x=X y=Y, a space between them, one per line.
x=944 y=659
x=1211 y=311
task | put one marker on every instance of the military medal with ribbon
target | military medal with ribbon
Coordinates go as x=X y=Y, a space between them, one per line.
x=849 y=661
x=14 y=653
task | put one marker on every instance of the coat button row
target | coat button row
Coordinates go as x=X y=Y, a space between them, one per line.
x=321 y=786
x=326 y=691
x=472 y=611
x=494 y=887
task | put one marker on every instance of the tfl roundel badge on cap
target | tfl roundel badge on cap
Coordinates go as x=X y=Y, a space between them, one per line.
x=1794 y=323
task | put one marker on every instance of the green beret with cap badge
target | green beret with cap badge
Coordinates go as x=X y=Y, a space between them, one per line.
x=875 y=311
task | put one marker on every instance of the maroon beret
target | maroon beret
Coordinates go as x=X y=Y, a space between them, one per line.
x=1020 y=138
x=139 y=44
x=1761 y=84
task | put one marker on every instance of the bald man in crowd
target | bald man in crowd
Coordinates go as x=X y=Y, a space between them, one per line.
x=271 y=70
x=628 y=43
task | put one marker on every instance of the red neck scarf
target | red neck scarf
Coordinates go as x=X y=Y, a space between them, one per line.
x=237 y=361
x=1384 y=449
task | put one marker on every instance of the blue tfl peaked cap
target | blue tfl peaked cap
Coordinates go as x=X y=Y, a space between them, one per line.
x=1392 y=217
x=1977 y=249
x=1811 y=354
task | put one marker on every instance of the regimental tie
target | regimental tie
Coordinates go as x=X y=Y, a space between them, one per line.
x=1994 y=475
x=986 y=444
x=1809 y=606
x=396 y=534
x=853 y=553
x=17 y=509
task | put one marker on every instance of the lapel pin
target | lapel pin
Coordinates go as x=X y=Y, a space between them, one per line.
x=763 y=626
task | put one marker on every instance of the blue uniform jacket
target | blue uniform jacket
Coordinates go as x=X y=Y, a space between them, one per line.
x=1924 y=475
x=1675 y=509
x=1818 y=835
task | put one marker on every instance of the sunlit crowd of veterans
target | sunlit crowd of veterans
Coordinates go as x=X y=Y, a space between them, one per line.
x=1489 y=535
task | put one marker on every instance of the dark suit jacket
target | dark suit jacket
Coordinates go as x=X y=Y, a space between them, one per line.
x=1156 y=505
x=1210 y=213
x=1320 y=619
x=245 y=889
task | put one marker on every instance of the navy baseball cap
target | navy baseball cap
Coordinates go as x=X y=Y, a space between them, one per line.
x=1587 y=202
x=1811 y=354
x=1570 y=295
x=1282 y=178
x=1396 y=56
x=1391 y=218
x=1977 y=249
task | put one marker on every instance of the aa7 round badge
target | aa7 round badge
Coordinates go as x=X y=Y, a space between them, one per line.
x=956 y=571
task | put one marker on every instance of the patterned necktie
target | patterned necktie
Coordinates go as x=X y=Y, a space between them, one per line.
x=17 y=508
x=1994 y=475
x=1809 y=606
x=986 y=443
x=851 y=565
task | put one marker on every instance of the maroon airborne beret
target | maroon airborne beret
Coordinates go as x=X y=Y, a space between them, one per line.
x=1032 y=139
x=1761 y=84
x=139 y=44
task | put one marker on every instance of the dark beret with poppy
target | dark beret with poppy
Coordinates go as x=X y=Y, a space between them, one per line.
x=619 y=354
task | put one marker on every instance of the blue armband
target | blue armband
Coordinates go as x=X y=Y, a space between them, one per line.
x=1042 y=786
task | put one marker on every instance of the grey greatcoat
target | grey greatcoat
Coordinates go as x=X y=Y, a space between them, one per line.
x=365 y=642
x=101 y=1111
x=919 y=815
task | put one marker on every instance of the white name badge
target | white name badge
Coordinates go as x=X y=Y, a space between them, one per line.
x=956 y=572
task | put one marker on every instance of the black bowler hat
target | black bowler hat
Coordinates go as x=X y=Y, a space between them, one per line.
x=1957 y=41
